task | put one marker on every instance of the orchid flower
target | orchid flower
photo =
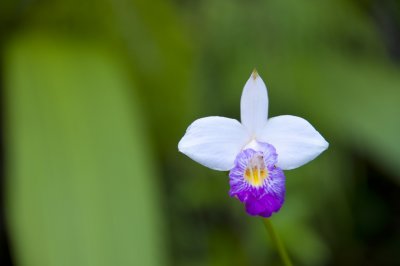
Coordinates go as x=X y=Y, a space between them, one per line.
x=255 y=151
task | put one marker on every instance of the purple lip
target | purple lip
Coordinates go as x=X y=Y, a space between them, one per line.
x=257 y=182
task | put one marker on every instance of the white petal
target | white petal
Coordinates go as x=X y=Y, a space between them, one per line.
x=214 y=142
x=296 y=141
x=254 y=104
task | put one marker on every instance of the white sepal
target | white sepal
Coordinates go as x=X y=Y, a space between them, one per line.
x=254 y=104
x=214 y=142
x=296 y=141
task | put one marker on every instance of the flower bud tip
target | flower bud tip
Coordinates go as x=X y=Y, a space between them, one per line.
x=254 y=74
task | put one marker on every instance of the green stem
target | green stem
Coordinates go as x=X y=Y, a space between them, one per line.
x=278 y=242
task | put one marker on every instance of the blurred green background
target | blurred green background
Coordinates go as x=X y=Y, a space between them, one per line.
x=96 y=94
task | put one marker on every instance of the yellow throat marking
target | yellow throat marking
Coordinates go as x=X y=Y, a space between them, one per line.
x=256 y=171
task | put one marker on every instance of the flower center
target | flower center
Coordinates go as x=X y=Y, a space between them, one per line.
x=256 y=171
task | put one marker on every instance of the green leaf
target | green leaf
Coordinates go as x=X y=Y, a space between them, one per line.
x=81 y=181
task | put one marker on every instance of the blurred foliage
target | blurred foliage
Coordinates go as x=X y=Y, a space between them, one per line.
x=94 y=88
x=81 y=185
x=158 y=59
